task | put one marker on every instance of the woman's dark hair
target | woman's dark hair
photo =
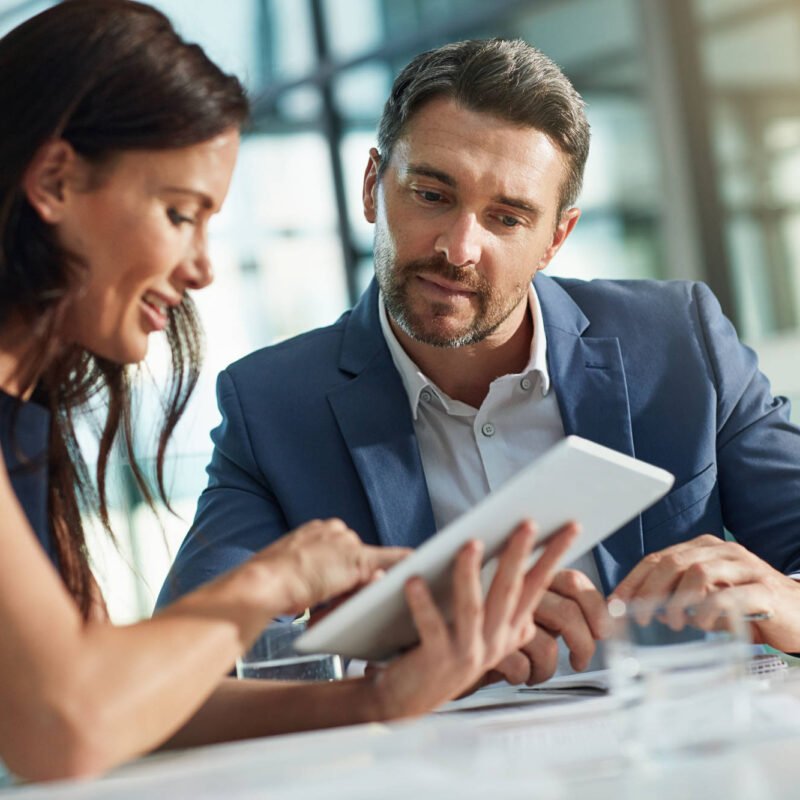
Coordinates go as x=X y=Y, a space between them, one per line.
x=106 y=76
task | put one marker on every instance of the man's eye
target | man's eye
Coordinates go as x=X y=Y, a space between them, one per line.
x=428 y=196
x=177 y=219
x=509 y=221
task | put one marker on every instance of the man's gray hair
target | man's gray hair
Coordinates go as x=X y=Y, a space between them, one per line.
x=507 y=78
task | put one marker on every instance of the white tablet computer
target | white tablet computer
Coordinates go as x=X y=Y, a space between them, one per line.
x=575 y=480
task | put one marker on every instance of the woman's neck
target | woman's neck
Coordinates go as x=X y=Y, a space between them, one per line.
x=14 y=343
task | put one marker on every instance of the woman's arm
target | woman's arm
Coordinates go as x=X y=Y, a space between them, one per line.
x=244 y=709
x=448 y=661
x=79 y=697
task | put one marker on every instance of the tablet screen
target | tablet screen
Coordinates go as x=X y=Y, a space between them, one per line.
x=575 y=480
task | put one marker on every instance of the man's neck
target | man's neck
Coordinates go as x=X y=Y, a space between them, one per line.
x=465 y=373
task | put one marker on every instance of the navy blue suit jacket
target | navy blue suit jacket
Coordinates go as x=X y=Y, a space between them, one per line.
x=320 y=426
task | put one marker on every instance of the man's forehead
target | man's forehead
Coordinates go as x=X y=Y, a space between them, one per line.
x=513 y=165
x=442 y=128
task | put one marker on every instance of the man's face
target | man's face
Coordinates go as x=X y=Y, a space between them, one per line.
x=465 y=214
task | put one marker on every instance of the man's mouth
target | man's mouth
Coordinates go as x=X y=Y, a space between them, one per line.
x=444 y=286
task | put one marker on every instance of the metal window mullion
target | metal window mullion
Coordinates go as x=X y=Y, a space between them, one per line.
x=693 y=219
x=332 y=127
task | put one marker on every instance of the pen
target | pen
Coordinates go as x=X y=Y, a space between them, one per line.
x=618 y=608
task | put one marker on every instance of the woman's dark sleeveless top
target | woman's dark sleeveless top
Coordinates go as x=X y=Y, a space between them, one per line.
x=25 y=449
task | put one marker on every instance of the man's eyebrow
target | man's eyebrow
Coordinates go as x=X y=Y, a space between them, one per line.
x=522 y=205
x=431 y=172
x=204 y=199
x=427 y=171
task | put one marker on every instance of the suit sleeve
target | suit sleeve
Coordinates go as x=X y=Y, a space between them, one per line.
x=237 y=514
x=758 y=448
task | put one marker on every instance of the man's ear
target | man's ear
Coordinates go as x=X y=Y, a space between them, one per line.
x=369 y=192
x=46 y=177
x=568 y=220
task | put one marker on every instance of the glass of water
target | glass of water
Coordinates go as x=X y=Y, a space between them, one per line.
x=681 y=688
x=272 y=657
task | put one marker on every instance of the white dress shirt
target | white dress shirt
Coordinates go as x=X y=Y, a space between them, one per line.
x=467 y=452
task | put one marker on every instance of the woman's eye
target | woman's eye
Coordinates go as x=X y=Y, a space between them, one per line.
x=177 y=219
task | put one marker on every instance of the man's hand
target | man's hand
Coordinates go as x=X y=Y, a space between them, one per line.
x=571 y=608
x=716 y=577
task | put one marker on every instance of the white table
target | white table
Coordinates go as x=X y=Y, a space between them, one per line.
x=530 y=749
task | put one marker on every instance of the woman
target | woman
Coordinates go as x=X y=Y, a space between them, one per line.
x=117 y=143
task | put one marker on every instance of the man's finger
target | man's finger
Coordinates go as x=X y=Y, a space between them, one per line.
x=514 y=668
x=542 y=652
x=663 y=570
x=578 y=587
x=703 y=578
x=563 y=616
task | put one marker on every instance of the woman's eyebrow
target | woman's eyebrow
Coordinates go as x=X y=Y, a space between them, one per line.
x=204 y=199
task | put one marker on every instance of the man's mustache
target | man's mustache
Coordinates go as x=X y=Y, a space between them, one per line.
x=440 y=266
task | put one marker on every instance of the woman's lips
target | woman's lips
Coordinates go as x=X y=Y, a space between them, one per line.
x=155 y=316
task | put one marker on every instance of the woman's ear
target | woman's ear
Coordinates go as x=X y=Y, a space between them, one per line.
x=46 y=177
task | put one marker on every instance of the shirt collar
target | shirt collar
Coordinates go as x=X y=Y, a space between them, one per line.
x=538 y=359
x=415 y=381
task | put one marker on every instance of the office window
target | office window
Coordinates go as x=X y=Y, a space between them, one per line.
x=14 y=12
x=693 y=172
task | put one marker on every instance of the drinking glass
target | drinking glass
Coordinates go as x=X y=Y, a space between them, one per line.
x=681 y=688
x=272 y=657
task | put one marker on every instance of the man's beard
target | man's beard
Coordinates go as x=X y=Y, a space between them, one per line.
x=396 y=281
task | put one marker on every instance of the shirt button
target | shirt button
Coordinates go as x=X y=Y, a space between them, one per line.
x=425 y=396
x=526 y=384
x=487 y=429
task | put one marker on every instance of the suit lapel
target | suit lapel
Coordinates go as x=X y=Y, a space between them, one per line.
x=588 y=376
x=374 y=417
x=375 y=420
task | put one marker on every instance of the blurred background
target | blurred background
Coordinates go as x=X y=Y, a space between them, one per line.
x=694 y=172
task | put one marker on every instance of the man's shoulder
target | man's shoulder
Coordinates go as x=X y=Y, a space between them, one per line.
x=624 y=291
x=623 y=304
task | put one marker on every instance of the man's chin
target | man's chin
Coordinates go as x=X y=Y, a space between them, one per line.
x=443 y=336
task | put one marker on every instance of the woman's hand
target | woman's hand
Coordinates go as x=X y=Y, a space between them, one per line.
x=323 y=559
x=451 y=658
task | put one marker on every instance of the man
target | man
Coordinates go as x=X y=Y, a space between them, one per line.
x=456 y=368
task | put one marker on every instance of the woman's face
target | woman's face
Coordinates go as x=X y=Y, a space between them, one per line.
x=140 y=226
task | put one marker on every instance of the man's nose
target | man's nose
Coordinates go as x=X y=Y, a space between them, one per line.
x=460 y=242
